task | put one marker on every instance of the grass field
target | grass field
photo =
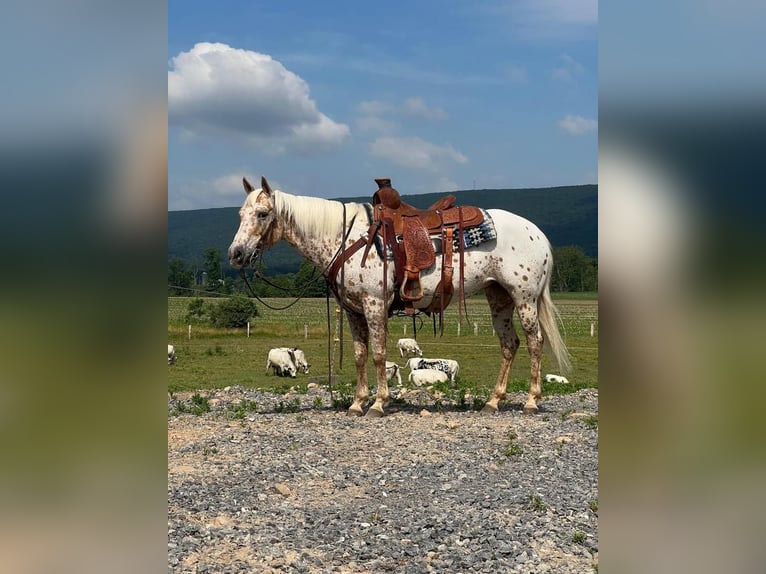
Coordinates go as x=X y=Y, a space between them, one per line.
x=216 y=358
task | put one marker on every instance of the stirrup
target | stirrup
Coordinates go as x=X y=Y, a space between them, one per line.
x=416 y=296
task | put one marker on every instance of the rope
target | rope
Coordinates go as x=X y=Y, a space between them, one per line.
x=329 y=344
x=260 y=276
x=199 y=290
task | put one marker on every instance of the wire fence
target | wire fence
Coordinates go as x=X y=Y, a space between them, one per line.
x=308 y=318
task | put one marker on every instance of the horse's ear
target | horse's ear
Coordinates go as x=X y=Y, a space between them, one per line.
x=265 y=186
x=248 y=186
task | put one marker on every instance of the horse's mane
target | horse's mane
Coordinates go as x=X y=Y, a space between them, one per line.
x=314 y=216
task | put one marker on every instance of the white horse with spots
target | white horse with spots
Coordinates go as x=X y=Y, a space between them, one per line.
x=514 y=271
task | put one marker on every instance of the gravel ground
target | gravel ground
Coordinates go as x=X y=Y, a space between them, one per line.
x=417 y=491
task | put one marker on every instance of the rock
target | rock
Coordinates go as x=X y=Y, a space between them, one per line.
x=282 y=489
x=452 y=498
x=425 y=413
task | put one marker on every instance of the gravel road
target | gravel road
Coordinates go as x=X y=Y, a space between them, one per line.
x=417 y=491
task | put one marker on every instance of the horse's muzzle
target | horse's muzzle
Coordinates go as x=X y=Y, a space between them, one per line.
x=236 y=257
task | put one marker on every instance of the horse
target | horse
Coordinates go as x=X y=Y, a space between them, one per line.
x=514 y=270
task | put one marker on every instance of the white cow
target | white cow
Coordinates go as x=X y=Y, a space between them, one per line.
x=448 y=366
x=282 y=362
x=301 y=363
x=422 y=377
x=171 y=354
x=555 y=379
x=409 y=346
x=392 y=371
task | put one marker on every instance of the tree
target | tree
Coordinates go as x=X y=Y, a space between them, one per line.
x=197 y=310
x=308 y=281
x=234 y=311
x=180 y=277
x=211 y=263
x=573 y=270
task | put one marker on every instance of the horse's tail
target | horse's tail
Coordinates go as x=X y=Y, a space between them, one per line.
x=548 y=316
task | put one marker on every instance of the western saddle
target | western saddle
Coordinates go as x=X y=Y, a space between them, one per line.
x=409 y=233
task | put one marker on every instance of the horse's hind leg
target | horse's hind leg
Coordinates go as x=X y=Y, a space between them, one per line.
x=501 y=306
x=531 y=326
x=360 y=335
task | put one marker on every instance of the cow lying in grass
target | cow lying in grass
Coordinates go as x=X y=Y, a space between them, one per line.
x=448 y=366
x=422 y=377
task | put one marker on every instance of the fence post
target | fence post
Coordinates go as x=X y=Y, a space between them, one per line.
x=475 y=328
x=305 y=330
x=248 y=329
x=405 y=329
x=458 y=329
x=190 y=332
x=591 y=328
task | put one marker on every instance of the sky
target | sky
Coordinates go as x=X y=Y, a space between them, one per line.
x=321 y=98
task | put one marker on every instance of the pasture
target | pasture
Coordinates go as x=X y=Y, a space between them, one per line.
x=216 y=358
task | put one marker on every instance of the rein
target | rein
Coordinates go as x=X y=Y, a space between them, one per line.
x=323 y=275
x=340 y=252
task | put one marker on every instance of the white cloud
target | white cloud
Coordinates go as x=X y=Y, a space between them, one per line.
x=568 y=69
x=417 y=107
x=564 y=11
x=381 y=116
x=543 y=19
x=578 y=125
x=411 y=107
x=516 y=74
x=414 y=152
x=374 y=124
x=375 y=108
x=214 y=89
x=446 y=184
x=231 y=185
x=203 y=193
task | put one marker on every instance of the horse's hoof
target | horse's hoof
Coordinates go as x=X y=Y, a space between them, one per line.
x=352 y=412
x=489 y=409
x=530 y=409
x=374 y=413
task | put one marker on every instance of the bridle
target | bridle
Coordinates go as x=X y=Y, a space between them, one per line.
x=258 y=255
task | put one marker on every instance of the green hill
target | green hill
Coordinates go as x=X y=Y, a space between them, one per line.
x=567 y=215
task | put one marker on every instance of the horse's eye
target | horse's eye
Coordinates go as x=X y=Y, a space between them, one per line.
x=262 y=215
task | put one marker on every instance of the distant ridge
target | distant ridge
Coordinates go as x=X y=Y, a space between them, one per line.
x=568 y=215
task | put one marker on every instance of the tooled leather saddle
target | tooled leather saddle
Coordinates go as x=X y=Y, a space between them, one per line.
x=409 y=234
x=407 y=231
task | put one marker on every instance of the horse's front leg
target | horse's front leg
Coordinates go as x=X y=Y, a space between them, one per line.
x=360 y=335
x=378 y=329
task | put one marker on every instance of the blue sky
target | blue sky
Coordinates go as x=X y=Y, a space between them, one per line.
x=323 y=97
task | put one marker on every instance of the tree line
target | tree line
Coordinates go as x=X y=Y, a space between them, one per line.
x=573 y=270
